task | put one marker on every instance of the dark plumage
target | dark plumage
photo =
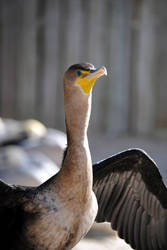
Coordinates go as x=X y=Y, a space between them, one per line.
x=13 y=215
x=131 y=196
x=82 y=66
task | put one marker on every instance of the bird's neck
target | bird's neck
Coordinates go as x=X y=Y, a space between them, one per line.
x=77 y=113
x=77 y=165
x=75 y=177
x=77 y=118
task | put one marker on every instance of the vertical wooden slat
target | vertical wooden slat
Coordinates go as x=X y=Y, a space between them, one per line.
x=26 y=74
x=1 y=61
x=61 y=61
x=40 y=50
x=9 y=32
x=74 y=35
x=118 y=90
x=144 y=90
x=51 y=61
x=135 y=20
x=160 y=79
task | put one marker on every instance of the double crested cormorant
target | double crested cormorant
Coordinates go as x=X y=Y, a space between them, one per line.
x=57 y=214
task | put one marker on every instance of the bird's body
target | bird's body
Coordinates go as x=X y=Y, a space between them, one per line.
x=58 y=213
x=44 y=219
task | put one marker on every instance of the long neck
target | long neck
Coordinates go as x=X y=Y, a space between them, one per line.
x=77 y=115
x=77 y=163
x=75 y=177
x=76 y=171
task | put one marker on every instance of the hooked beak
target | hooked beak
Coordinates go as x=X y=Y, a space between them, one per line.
x=95 y=74
x=87 y=81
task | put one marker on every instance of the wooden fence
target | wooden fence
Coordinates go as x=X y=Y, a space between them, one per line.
x=39 y=39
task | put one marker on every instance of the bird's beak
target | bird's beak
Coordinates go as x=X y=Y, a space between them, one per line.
x=86 y=82
x=95 y=74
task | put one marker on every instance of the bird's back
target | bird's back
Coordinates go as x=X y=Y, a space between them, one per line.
x=13 y=215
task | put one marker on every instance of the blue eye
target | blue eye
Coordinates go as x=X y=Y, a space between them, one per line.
x=79 y=73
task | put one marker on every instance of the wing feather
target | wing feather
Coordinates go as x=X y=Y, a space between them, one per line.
x=143 y=232
x=133 y=198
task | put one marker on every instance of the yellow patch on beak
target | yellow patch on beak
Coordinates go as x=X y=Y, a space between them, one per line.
x=87 y=79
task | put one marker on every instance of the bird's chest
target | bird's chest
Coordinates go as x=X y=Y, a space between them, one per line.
x=61 y=226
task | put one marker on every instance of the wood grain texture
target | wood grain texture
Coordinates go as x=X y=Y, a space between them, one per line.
x=40 y=39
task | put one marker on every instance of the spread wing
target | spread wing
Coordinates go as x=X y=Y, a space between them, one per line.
x=132 y=196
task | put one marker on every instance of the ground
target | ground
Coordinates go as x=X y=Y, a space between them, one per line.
x=101 y=237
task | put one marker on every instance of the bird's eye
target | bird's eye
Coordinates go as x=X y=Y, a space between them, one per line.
x=79 y=73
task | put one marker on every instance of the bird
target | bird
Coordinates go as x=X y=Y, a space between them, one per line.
x=125 y=190
x=60 y=211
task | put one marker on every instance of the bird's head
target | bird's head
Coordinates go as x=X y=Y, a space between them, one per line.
x=83 y=76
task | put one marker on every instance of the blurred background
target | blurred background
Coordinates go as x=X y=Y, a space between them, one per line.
x=39 y=40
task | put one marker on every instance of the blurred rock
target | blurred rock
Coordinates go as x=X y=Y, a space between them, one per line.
x=29 y=152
